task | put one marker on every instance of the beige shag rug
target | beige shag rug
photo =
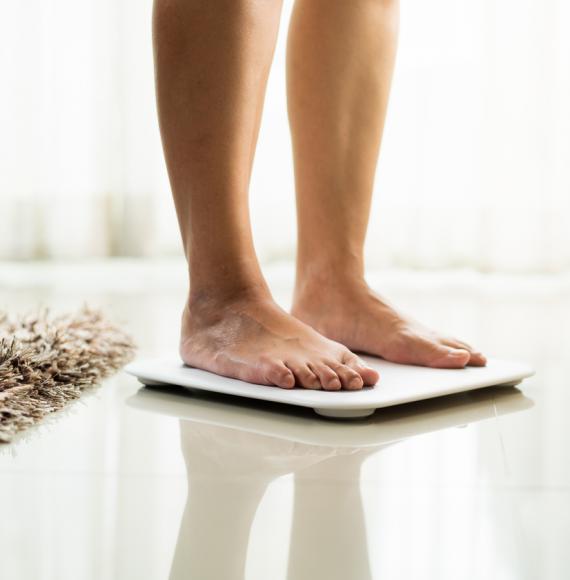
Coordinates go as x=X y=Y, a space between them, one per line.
x=46 y=362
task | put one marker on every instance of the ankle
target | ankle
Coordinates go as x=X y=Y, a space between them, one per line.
x=211 y=297
x=329 y=280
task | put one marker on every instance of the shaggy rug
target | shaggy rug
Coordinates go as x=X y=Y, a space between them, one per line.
x=46 y=362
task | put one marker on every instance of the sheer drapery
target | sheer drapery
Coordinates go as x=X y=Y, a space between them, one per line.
x=474 y=171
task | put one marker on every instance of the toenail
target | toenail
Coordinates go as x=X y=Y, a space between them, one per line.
x=355 y=383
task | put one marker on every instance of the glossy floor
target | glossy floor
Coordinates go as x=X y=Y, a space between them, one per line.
x=152 y=484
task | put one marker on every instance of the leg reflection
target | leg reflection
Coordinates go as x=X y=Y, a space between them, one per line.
x=328 y=536
x=228 y=473
x=227 y=478
x=214 y=533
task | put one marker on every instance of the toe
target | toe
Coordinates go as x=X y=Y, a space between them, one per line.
x=304 y=376
x=446 y=357
x=476 y=358
x=328 y=378
x=279 y=375
x=349 y=378
x=369 y=375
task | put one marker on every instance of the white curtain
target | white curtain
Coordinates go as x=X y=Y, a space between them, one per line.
x=474 y=171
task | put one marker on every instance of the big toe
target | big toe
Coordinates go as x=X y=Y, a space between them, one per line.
x=446 y=357
x=369 y=375
x=477 y=359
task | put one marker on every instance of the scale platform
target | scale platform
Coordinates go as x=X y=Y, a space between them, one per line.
x=398 y=384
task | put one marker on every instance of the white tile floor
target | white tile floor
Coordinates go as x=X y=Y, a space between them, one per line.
x=141 y=485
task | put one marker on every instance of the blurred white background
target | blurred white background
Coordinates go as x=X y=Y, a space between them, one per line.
x=474 y=172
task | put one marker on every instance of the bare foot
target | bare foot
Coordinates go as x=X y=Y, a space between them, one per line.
x=254 y=340
x=357 y=317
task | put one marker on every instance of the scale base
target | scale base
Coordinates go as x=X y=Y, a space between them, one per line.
x=399 y=384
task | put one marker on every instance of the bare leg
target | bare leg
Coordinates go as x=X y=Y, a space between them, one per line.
x=212 y=59
x=340 y=62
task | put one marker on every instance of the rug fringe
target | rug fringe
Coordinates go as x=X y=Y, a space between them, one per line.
x=46 y=362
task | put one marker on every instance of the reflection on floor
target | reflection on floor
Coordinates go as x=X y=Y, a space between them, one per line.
x=158 y=483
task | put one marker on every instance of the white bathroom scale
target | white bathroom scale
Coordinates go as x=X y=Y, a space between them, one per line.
x=398 y=384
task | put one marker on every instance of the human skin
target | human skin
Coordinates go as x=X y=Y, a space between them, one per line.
x=212 y=59
x=340 y=63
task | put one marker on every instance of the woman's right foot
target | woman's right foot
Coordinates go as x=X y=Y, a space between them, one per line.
x=254 y=340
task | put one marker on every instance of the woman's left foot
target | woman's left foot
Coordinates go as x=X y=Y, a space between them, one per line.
x=357 y=317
